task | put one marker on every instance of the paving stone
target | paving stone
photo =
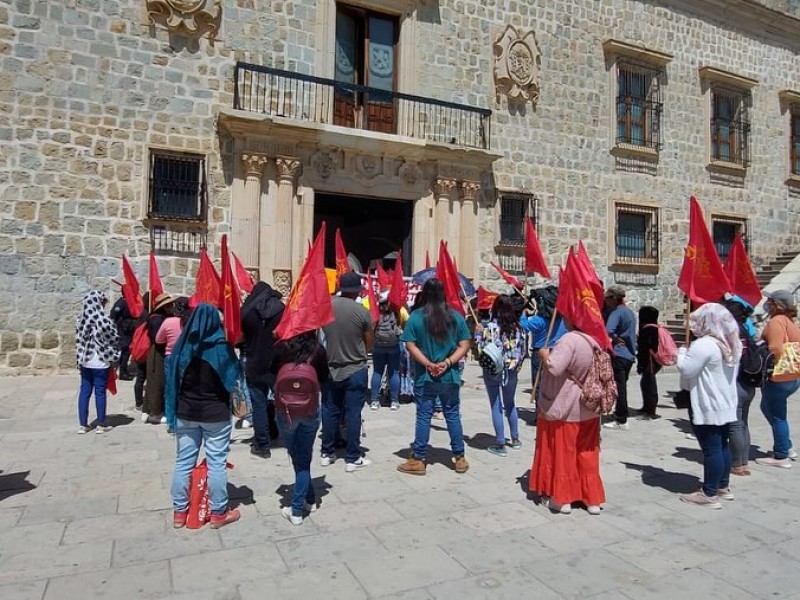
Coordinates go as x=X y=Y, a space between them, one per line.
x=765 y=572
x=423 y=504
x=213 y=569
x=419 y=533
x=176 y=543
x=311 y=551
x=28 y=590
x=31 y=537
x=498 y=584
x=68 y=510
x=336 y=580
x=498 y=551
x=691 y=583
x=41 y=563
x=500 y=517
x=341 y=516
x=112 y=584
x=663 y=553
x=733 y=535
x=117 y=526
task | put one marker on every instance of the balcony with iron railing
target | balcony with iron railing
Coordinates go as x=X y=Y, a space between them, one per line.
x=306 y=98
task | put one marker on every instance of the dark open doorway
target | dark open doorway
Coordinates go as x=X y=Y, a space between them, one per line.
x=372 y=228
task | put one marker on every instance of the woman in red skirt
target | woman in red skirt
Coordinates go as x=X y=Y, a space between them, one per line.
x=566 y=463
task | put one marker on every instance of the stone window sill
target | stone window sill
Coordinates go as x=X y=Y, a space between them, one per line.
x=722 y=165
x=649 y=268
x=632 y=150
x=793 y=180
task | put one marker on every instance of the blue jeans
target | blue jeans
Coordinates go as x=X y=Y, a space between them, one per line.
x=773 y=404
x=260 y=396
x=216 y=438
x=713 y=441
x=425 y=394
x=389 y=359
x=97 y=380
x=299 y=440
x=501 y=400
x=343 y=399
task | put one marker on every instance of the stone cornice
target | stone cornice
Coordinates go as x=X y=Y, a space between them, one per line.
x=789 y=96
x=640 y=53
x=727 y=78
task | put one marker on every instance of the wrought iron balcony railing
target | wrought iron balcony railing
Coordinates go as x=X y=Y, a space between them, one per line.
x=317 y=100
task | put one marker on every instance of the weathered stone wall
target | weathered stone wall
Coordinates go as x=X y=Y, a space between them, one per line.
x=86 y=86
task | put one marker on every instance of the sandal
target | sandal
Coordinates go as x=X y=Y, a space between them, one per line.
x=740 y=471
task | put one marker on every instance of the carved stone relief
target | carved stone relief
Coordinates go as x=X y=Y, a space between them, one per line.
x=470 y=189
x=288 y=168
x=444 y=186
x=369 y=166
x=409 y=173
x=282 y=281
x=194 y=17
x=254 y=163
x=323 y=163
x=517 y=62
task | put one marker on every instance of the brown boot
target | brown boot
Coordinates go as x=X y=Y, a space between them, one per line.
x=413 y=466
x=462 y=466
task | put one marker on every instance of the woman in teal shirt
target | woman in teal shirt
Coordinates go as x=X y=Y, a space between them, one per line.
x=436 y=338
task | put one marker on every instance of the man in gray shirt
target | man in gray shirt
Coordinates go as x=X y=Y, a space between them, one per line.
x=621 y=328
x=348 y=339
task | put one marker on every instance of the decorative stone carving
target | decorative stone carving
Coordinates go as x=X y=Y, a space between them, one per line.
x=254 y=164
x=369 y=166
x=444 y=187
x=288 y=168
x=517 y=62
x=323 y=163
x=195 y=17
x=409 y=173
x=470 y=189
x=282 y=281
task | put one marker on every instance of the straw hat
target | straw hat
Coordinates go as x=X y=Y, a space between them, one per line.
x=162 y=300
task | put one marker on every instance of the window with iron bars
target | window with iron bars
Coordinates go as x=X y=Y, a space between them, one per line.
x=636 y=236
x=794 y=142
x=639 y=104
x=514 y=208
x=730 y=126
x=177 y=187
x=724 y=230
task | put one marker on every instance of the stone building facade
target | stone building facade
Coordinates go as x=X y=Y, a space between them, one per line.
x=127 y=125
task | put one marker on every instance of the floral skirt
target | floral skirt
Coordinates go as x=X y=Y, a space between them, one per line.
x=566 y=463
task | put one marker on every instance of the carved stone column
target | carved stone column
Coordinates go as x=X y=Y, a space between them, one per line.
x=287 y=168
x=469 y=227
x=445 y=191
x=423 y=238
x=245 y=211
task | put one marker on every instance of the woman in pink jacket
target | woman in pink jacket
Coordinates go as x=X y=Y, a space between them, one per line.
x=566 y=464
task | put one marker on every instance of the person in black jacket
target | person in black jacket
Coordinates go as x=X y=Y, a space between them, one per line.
x=646 y=366
x=141 y=368
x=126 y=324
x=261 y=313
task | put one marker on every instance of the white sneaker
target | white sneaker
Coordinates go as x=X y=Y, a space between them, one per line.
x=325 y=460
x=246 y=424
x=103 y=429
x=792 y=454
x=725 y=494
x=287 y=512
x=395 y=406
x=163 y=420
x=593 y=509
x=564 y=509
x=359 y=464
x=374 y=405
x=83 y=430
x=616 y=425
x=144 y=417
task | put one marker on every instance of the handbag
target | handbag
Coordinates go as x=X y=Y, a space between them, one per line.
x=240 y=406
x=787 y=366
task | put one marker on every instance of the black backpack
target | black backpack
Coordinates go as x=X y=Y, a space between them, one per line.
x=753 y=364
x=386 y=331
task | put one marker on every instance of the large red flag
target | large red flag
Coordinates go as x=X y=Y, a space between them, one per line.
x=309 y=305
x=486 y=298
x=383 y=277
x=534 y=260
x=510 y=279
x=154 y=280
x=130 y=289
x=207 y=284
x=342 y=264
x=374 y=310
x=584 y=263
x=577 y=303
x=230 y=298
x=740 y=273
x=447 y=274
x=399 y=292
x=702 y=277
x=243 y=277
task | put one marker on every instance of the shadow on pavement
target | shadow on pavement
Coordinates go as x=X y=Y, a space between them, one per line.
x=442 y=456
x=480 y=441
x=524 y=482
x=239 y=494
x=14 y=483
x=119 y=420
x=527 y=415
x=692 y=454
x=286 y=491
x=682 y=425
x=678 y=483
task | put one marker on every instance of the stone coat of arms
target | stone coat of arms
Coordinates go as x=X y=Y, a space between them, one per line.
x=517 y=64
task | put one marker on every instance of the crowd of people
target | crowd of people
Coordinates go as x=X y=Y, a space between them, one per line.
x=189 y=371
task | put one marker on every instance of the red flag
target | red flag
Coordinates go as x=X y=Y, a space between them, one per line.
x=383 y=277
x=702 y=277
x=374 y=310
x=587 y=268
x=447 y=274
x=309 y=305
x=230 y=298
x=510 y=279
x=243 y=277
x=740 y=273
x=486 y=298
x=427 y=260
x=207 y=284
x=130 y=289
x=399 y=292
x=534 y=260
x=577 y=303
x=154 y=282
x=342 y=264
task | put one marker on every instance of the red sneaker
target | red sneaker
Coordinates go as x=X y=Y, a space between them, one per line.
x=229 y=516
x=179 y=519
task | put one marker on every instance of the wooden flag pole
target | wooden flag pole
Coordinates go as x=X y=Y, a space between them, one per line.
x=688 y=311
x=546 y=344
x=469 y=305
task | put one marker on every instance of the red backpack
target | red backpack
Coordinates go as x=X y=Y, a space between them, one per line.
x=667 y=353
x=297 y=391
x=140 y=345
x=599 y=389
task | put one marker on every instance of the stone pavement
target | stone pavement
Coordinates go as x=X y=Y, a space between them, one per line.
x=89 y=516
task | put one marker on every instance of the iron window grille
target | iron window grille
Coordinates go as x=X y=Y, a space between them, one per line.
x=795 y=140
x=639 y=104
x=177 y=187
x=723 y=232
x=730 y=126
x=514 y=208
x=637 y=235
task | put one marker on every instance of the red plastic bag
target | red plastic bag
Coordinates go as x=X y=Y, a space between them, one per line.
x=199 y=508
x=112 y=382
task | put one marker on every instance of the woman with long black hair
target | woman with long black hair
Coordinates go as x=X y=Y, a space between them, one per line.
x=436 y=337
x=503 y=331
